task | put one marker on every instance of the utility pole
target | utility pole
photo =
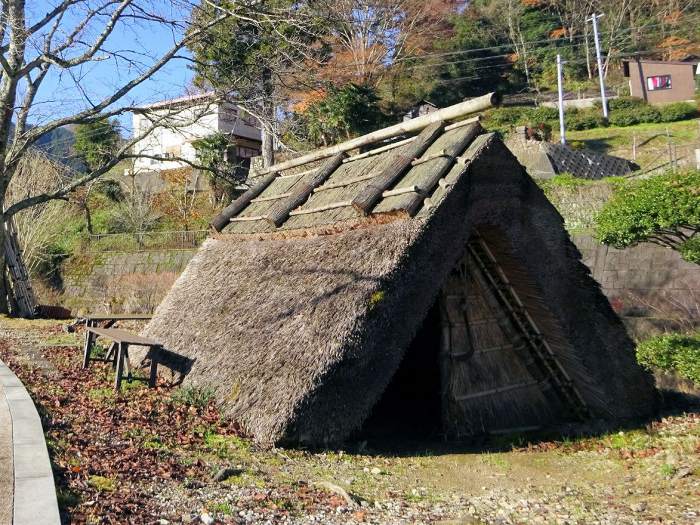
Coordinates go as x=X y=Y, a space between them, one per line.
x=560 y=85
x=596 y=37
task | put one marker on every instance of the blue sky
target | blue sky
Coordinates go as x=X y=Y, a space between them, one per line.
x=138 y=43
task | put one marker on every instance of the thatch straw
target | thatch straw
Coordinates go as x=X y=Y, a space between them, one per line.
x=301 y=335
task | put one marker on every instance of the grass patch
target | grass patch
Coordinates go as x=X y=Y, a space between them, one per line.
x=495 y=460
x=667 y=470
x=62 y=340
x=246 y=479
x=652 y=142
x=101 y=394
x=154 y=443
x=632 y=440
x=225 y=447
x=220 y=508
x=195 y=396
x=102 y=484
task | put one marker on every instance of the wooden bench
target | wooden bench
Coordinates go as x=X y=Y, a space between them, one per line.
x=118 y=353
x=110 y=320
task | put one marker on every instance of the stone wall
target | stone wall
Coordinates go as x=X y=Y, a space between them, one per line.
x=651 y=287
x=120 y=281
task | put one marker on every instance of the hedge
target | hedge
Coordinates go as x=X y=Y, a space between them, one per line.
x=642 y=114
x=577 y=120
x=672 y=353
x=678 y=111
x=624 y=111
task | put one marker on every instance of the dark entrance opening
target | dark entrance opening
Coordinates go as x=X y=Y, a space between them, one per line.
x=410 y=406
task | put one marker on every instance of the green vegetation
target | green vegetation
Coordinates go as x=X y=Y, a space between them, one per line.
x=344 y=112
x=664 y=210
x=579 y=200
x=624 y=112
x=221 y=508
x=225 y=172
x=66 y=498
x=673 y=353
x=102 y=484
x=195 y=396
x=96 y=142
x=651 y=140
x=100 y=394
x=376 y=298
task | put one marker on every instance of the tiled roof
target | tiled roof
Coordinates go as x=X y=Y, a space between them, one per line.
x=587 y=164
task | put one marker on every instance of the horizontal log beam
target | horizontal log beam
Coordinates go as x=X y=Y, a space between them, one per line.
x=449 y=113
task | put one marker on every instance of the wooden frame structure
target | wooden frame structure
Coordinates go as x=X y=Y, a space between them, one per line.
x=110 y=320
x=118 y=353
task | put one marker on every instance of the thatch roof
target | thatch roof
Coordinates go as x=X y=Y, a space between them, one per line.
x=300 y=326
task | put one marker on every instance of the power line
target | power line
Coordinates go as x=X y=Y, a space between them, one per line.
x=524 y=44
x=548 y=40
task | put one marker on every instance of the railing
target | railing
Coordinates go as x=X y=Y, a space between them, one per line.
x=138 y=241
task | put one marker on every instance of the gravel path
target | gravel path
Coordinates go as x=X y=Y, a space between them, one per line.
x=6 y=472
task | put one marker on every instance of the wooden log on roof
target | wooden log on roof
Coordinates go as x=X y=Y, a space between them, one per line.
x=280 y=211
x=372 y=194
x=220 y=221
x=449 y=113
x=443 y=165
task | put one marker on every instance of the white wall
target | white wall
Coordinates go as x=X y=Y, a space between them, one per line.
x=181 y=127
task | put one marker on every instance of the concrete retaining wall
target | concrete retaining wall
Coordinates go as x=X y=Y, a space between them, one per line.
x=651 y=287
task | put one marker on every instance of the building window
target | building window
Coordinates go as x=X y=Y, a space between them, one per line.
x=659 y=82
x=144 y=125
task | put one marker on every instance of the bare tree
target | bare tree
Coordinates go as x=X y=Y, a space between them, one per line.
x=69 y=42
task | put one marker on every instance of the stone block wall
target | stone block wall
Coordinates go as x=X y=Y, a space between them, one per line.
x=651 y=287
x=121 y=281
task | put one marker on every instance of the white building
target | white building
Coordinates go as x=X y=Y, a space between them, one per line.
x=180 y=122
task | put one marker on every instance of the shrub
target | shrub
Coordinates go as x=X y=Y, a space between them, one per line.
x=661 y=209
x=542 y=115
x=678 y=111
x=110 y=189
x=638 y=115
x=623 y=118
x=625 y=103
x=690 y=250
x=588 y=119
x=673 y=353
x=648 y=114
x=506 y=117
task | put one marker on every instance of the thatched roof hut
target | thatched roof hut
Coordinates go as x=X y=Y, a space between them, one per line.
x=435 y=261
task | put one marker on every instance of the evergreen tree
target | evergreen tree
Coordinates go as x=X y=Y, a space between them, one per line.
x=96 y=141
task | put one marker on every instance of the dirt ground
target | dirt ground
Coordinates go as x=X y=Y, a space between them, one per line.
x=177 y=462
